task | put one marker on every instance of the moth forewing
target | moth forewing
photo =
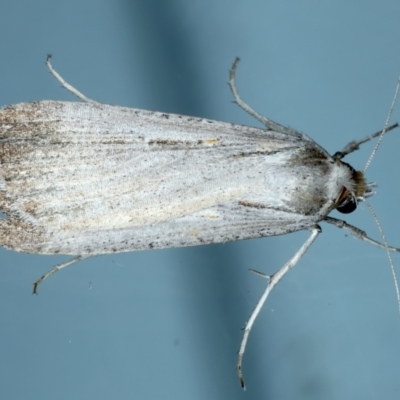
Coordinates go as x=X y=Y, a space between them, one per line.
x=180 y=181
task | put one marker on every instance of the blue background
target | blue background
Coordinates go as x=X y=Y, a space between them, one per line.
x=166 y=324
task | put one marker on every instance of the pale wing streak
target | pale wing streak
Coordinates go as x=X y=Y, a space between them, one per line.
x=221 y=223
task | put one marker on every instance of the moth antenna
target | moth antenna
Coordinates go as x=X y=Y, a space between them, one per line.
x=387 y=252
x=367 y=203
x=385 y=127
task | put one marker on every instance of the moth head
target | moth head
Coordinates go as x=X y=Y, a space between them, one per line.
x=356 y=191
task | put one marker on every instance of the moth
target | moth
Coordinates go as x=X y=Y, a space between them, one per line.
x=85 y=178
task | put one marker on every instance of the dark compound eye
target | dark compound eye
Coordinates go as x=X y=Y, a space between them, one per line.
x=347 y=206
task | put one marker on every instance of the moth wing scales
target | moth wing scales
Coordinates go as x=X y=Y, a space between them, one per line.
x=155 y=170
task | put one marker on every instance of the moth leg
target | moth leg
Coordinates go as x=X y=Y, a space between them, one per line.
x=271 y=125
x=259 y=273
x=358 y=233
x=55 y=269
x=272 y=282
x=355 y=144
x=66 y=85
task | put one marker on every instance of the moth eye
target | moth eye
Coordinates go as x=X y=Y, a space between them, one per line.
x=347 y=206
x=346 y=201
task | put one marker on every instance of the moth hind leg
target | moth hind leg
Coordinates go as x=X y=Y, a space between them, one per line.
x=271 y=125
x=273 y=280
x=56 y=269
x=66 y=85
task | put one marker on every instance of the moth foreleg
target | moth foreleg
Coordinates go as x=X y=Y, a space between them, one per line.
x=358 y=233
x=355 y=144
